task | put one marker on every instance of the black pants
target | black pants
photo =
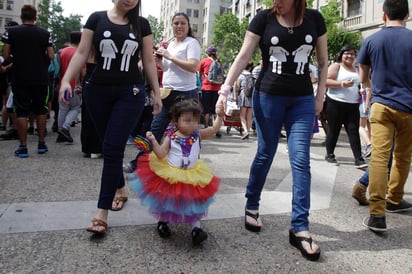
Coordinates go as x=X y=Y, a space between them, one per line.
x=346 y=114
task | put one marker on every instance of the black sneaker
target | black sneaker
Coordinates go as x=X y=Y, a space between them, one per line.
x=218 y=135
x=66 y=134
x=42 y=148
x=163 y=230
x=402 y=206
x=330 y=158
x=375 y=223
x=11 y=134
x=55 y=128
x=198 y=236
x=21 y=152
x=61 y=139
x=361 y=163
x=30 y=130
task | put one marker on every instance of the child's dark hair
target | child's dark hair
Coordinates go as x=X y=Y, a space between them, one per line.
x=183 y=105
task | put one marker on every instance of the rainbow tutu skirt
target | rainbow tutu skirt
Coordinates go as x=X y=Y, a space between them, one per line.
x=172 y=194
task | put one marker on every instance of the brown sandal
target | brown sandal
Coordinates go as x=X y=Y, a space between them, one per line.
x=117 y=200
x=96 y=227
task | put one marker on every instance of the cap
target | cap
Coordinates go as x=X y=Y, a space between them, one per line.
x=211 y=49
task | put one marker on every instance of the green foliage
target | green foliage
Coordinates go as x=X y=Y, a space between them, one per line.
x=268 y=3
x=228 y=34
x=309 y=3
x=50 y=17
x=332 y=12
x=157 y=28
x=338 y=35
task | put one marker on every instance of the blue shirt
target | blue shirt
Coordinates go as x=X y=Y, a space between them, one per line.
x=389 y=53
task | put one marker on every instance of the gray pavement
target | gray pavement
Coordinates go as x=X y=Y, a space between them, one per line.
x=47 y=200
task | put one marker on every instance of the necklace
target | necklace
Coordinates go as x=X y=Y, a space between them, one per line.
x=290 y=30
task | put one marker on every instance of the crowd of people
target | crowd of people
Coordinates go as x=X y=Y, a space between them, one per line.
x=122 y=85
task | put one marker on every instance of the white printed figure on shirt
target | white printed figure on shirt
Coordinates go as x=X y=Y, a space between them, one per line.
x=129 y=48
x=108 y=50
x=302 y=55
x=277 y=55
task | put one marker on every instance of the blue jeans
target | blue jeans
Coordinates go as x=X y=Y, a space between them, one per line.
x=114 y=111
x=161 y=120
x=297 y=115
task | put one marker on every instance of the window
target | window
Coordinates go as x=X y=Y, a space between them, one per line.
x=189 y=12
x=1 y=5
x=195 y=28
x=196 y=13
x=354 y=7
x=10 y=4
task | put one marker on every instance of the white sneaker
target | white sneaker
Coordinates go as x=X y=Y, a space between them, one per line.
x=95 y=155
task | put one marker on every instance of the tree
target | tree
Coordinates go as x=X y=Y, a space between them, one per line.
x=338 y=35
x=50 y=17
x=157 y=28
x=228 y=34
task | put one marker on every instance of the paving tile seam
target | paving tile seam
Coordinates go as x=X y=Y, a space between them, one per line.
x=51 y=216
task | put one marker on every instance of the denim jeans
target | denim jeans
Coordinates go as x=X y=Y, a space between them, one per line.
x=387 y=122
x=114 y=111
x=69 y=112
x=297 y=115
x=161 y=120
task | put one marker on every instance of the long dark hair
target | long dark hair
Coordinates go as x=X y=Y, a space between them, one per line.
x=300 y=6
x=189 y=33
x=134 y=21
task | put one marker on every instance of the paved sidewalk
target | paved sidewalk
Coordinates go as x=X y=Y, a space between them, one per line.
x=47 y=200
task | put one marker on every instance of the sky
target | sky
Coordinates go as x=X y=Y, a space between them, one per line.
x=86 y=7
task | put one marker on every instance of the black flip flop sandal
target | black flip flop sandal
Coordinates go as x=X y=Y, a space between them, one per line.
x=249 y=226
x=296 y=241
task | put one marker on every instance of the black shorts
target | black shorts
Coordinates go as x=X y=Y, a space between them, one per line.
x=30 y=99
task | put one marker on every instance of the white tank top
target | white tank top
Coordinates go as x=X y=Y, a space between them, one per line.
x=346 y=95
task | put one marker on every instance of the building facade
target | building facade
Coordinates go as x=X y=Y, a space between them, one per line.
x=201 y=14
x=363 y=15
x=10 y=10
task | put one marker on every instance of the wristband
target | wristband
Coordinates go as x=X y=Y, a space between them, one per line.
x=224 y=90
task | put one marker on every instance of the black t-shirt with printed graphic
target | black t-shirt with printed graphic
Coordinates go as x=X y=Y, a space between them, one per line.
x=28 y=46
x=286 y=52
x=117 y=50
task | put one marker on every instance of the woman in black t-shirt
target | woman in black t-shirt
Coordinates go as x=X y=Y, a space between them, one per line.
x=287 y=33
x=114 y=93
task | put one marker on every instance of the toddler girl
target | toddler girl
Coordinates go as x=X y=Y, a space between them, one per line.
x=171 y=181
